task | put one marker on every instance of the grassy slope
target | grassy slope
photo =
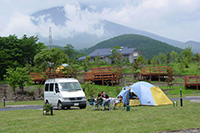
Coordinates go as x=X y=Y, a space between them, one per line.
x=150 y=47
x=139 y=119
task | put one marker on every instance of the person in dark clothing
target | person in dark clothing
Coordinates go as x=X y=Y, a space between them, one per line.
x=104 y=95
x=106 y=99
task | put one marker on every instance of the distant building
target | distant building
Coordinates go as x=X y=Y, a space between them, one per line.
x=105 y=54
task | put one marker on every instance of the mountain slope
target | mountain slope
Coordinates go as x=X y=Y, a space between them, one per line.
x=149 y=47
x=194 y=45
x=84 y=40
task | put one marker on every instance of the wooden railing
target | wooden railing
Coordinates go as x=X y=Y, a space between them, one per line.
x=156 y=70
x=103 y=74
x=42 y=76
x=192 y=80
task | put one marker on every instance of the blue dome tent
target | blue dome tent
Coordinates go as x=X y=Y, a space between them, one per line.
x=149 y=94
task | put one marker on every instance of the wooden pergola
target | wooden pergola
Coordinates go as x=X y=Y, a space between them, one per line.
x=41 y=77
x=160 y=72
x=104 y=74
x=192 y=81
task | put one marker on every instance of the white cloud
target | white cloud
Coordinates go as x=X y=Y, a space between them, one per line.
x=19 y=24
x=162 y=17
x=81 y=21
x=176 y=19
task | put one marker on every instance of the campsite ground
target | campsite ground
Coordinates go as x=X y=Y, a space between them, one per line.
x=138 y=119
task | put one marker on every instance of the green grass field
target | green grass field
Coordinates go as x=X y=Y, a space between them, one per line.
x=138 y=119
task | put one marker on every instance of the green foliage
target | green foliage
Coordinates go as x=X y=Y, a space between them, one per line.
x=150 y=47
x=17 y=77
x=187 y=54
x=97 y=61
x=116 y=57
x=174 y=56
x=140 y=60
x=12 y=78
x=50 y=58
x=69 y=50
x=149 y=61
x=168 y=58
x=16 y=52
x=47 y=108
x=86 y=63
x=154 y=61
x=89 y=89
x=135 y=67
x=197 y=58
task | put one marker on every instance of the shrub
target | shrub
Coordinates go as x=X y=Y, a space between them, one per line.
x=47 y=108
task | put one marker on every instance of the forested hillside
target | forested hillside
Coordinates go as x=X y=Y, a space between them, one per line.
x=149 y=47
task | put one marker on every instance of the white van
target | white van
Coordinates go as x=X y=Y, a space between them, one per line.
x=64 y=92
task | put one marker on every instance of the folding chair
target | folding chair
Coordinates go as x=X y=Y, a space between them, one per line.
x=107 y=103
x=99 y=103
x=91 y=102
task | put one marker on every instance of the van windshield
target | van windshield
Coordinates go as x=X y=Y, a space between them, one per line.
x=70 y=86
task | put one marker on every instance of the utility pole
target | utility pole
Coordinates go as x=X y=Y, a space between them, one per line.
x=50 y=38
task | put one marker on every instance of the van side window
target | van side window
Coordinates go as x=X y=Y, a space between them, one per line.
x=46 y=87
x=51 y=86
x=56 y=86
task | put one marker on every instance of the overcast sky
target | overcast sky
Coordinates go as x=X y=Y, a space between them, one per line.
x=174 y=19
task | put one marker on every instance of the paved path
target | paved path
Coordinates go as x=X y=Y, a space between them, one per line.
x=191 y=98
x=21 y=107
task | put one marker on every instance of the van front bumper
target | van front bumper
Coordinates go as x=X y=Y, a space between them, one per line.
x=74 y=103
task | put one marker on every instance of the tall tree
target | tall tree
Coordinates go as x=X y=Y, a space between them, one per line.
x=17 y=77
x=154 y=61
x=69 y=50
x=174 y=56
x=16 y=52
x=187 y=53
x=50 y=58
x=168 y=58
x=140 y=60
x=197 y=58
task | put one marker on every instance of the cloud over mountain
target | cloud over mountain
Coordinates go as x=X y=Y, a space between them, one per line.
x=178 y=19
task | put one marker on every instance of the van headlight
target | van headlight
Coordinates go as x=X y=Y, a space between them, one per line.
x=84 y=98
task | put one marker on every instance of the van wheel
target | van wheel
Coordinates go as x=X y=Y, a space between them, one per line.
x=59 y=105
x=82 y=107
x=68 y=107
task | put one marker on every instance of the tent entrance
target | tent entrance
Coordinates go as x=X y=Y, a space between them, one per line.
x=133 y=99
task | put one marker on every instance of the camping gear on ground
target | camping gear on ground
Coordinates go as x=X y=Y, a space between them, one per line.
x=127 y=108
x=149 y=94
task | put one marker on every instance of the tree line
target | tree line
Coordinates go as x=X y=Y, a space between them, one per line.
x=21 y=56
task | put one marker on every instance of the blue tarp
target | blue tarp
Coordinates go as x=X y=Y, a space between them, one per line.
x=125 y=96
